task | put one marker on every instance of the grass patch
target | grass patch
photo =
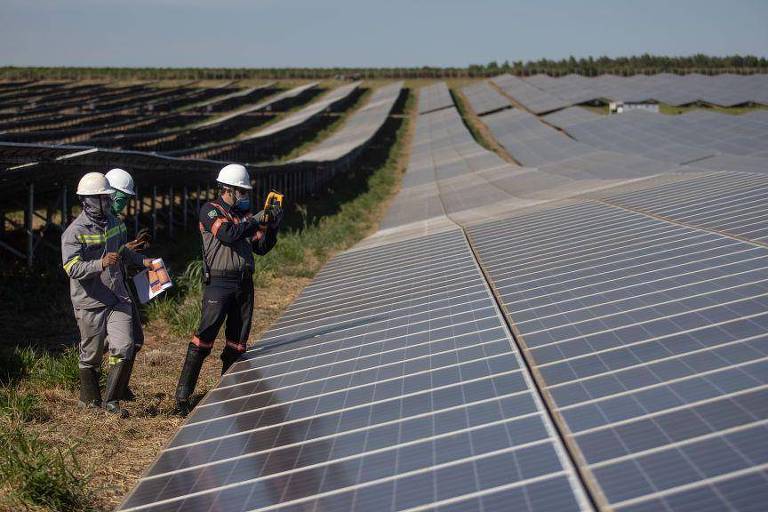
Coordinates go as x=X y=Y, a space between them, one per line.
x=477 y=128
x=596 y=109
x=39 y=368
x=20 y=406
x=34 y=473
x=341 y=215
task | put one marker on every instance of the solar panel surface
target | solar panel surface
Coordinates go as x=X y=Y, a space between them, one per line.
x=504 y=323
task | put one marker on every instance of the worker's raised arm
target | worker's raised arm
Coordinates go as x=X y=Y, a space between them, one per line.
x=133 y=257
x=226 y=231
x=73 y=258
x=266 y=236
x=264 y=241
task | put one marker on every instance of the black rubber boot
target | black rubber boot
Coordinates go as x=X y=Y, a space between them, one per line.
x=228 y=358
x=90 y=395
x=125 y=392
x=116 y=381
x=189 y=375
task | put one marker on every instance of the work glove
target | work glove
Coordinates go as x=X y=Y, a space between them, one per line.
x=277 y=217
x=142 y=242
x=258 y=218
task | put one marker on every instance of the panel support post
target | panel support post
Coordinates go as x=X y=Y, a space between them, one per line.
x=29 y=214
x=154 y=211
x=137 y=206
x=64 y=209
x=170 y=211
x=184 y=206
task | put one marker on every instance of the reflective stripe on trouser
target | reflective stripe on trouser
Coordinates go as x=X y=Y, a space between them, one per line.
x=96 y=324
x=230 y=301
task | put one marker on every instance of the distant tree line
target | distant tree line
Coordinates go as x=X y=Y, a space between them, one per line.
x=588 y=66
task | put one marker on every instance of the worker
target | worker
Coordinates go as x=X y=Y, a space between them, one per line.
x=92 y=248
x=124 y=189
x=230 y=236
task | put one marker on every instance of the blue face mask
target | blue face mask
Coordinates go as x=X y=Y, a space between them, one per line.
x=243 y=204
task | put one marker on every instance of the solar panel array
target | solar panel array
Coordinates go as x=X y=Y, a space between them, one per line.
x=379 y=389
x=569 y=116
x=52 y=167
x=250 y=148
x=724 y=90
x=435 y=97
x=484 y=99
x=591 y=334
x=681 y=138
x=531 y=97
x=358 y=130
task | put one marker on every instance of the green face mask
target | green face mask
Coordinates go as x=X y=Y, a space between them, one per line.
x=119 y=200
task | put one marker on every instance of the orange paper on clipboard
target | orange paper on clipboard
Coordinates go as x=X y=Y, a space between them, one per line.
x=153 y=281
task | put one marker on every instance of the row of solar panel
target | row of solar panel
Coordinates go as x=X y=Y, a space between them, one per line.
x=393 y=383
x=541 y=94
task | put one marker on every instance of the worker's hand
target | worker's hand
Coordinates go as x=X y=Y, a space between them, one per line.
x=135 y=245
x=144 y=236
x=109 y=259
x=259 y=217
x=147 y=262
x=277 y=217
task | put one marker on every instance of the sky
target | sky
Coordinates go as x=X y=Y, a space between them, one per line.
x=368 y=33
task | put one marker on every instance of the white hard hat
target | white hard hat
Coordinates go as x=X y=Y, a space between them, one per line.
x=235 y=175
x=94 y=184
x=122 y=181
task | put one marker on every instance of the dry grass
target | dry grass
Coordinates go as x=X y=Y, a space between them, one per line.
x=478 y=128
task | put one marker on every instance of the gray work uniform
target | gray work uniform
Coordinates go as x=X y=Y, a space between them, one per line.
x=99 y=296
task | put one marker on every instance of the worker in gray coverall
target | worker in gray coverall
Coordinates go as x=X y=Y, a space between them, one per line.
x=124 y=189
x=92 y=248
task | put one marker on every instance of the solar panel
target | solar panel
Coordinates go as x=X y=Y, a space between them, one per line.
x=651 y=339
x=434 y=97
x=568 y=116
x=376 y=390
x=724 y=90
x=678 y=139
x=358 y=129
x=499 y=327
x=530 y=96
x=484 y=99
x=250 y=148
x=727 y=202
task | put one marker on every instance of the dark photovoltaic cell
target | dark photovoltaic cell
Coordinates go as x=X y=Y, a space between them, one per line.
x=725 y=90
x=393 y=382
x=680 y=139
x=484 y=99
x=529 y=96
x=727 y=202
x=568 y=116
x=652 y=339
x=434 y=97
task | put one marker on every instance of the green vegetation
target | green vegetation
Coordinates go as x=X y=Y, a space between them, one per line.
x=588 y=66
x=35 y=472
x=340 y=216
x=466 y=115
